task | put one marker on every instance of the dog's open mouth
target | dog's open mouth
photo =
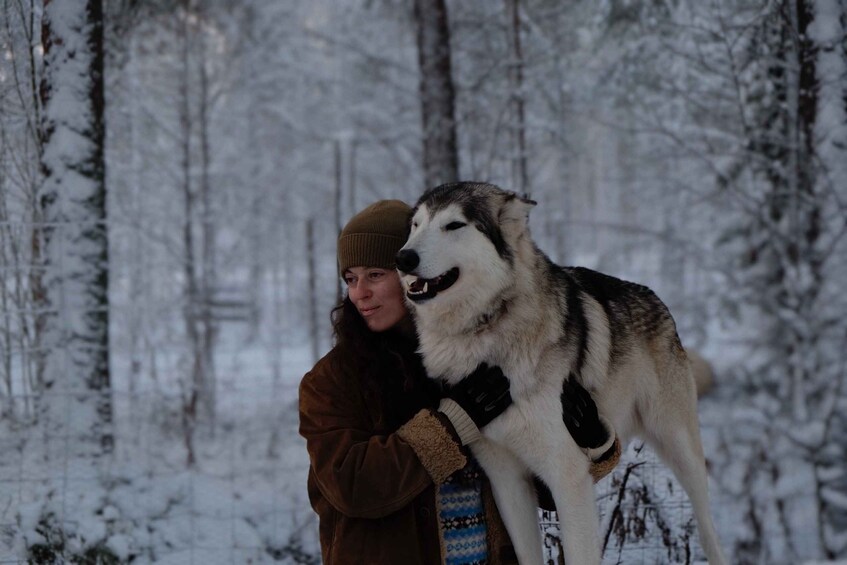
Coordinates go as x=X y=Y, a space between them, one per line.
x=424 y=289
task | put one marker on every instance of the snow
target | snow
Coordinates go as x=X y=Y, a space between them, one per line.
x=834 y=498
x=234 y=505
x=120 y=545
x=634 y=110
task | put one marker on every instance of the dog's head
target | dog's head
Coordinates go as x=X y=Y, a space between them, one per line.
x=462 y=245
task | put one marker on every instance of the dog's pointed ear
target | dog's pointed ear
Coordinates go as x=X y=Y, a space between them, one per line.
x=514 y=214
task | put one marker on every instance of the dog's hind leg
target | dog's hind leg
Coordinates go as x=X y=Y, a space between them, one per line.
x=516 y=499
x=676 y=438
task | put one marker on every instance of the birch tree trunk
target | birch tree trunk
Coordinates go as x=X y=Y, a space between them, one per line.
x=76 y=382
x=438 y=95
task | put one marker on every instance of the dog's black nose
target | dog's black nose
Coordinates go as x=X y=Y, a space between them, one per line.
x=407 y=260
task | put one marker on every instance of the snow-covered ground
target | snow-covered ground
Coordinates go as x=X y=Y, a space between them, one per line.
x=244 y=500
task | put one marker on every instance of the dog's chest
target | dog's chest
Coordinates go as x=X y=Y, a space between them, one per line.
x=452 y=358
x=526 y=363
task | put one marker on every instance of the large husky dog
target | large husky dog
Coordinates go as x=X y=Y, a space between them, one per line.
x=483 y=292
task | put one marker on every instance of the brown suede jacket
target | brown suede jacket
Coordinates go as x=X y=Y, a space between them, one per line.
x=373 y=483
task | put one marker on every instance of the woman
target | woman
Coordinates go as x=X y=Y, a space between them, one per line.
x=391 y=477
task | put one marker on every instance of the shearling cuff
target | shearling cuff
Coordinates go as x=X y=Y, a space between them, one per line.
x=434 y=445
x=607 y=462
x=605 y=457
x=465 y=427
x=594 y=453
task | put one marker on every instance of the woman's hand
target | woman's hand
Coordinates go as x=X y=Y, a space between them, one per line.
x=580 y=415
x=484 y=394
x=474 y=401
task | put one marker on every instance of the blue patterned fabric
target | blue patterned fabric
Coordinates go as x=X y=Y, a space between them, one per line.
x=462 y=518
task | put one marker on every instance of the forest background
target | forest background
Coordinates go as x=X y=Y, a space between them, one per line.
x=174 y=173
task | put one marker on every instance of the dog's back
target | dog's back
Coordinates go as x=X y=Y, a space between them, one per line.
x=633 y=311
x=623 y=344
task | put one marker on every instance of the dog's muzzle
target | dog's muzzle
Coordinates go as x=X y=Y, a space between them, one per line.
x=423 y=289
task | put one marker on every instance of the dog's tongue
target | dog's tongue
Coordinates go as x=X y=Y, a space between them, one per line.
x=417 y=286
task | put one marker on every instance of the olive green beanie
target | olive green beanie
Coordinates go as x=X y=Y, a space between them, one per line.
x=374 y=236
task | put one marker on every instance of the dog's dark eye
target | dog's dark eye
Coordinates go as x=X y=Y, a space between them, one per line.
x=454 y=226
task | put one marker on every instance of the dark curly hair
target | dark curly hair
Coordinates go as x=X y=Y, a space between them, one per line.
x=387 y=355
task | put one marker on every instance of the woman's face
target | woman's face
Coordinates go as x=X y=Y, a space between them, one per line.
x=377 y=295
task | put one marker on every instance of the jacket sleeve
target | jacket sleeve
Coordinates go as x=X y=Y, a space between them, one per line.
x=361 y=472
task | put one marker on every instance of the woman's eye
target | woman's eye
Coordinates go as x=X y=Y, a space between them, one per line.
x=376 y=274
x=454 y=226
x=348 y=281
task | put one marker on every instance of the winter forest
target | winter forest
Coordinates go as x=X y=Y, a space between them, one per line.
x=174 y=174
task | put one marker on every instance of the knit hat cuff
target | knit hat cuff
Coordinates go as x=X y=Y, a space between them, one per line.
x=368 y=250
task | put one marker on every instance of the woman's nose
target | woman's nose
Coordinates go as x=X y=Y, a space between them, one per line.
x=361 y=290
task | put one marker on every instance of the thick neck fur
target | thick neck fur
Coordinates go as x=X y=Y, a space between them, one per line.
x=453 y=342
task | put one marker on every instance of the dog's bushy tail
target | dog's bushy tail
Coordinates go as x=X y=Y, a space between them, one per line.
x=704 y=377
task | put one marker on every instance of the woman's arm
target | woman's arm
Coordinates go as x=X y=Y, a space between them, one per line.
x=591 y=431
x=366 y=474
x=363 y=473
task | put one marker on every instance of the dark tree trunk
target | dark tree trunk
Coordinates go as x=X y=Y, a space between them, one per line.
x=311 y=269
x=520 y=177
x=438 y=96
x=208 y=272
x=191 y=396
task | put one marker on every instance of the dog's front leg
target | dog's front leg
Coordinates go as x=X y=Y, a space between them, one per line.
x=515 y=497
x=566 y=473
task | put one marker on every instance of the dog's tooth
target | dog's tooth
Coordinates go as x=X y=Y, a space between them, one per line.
x=426 y=287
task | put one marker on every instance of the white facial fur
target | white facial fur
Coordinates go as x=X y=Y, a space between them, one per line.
x=466 y=248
